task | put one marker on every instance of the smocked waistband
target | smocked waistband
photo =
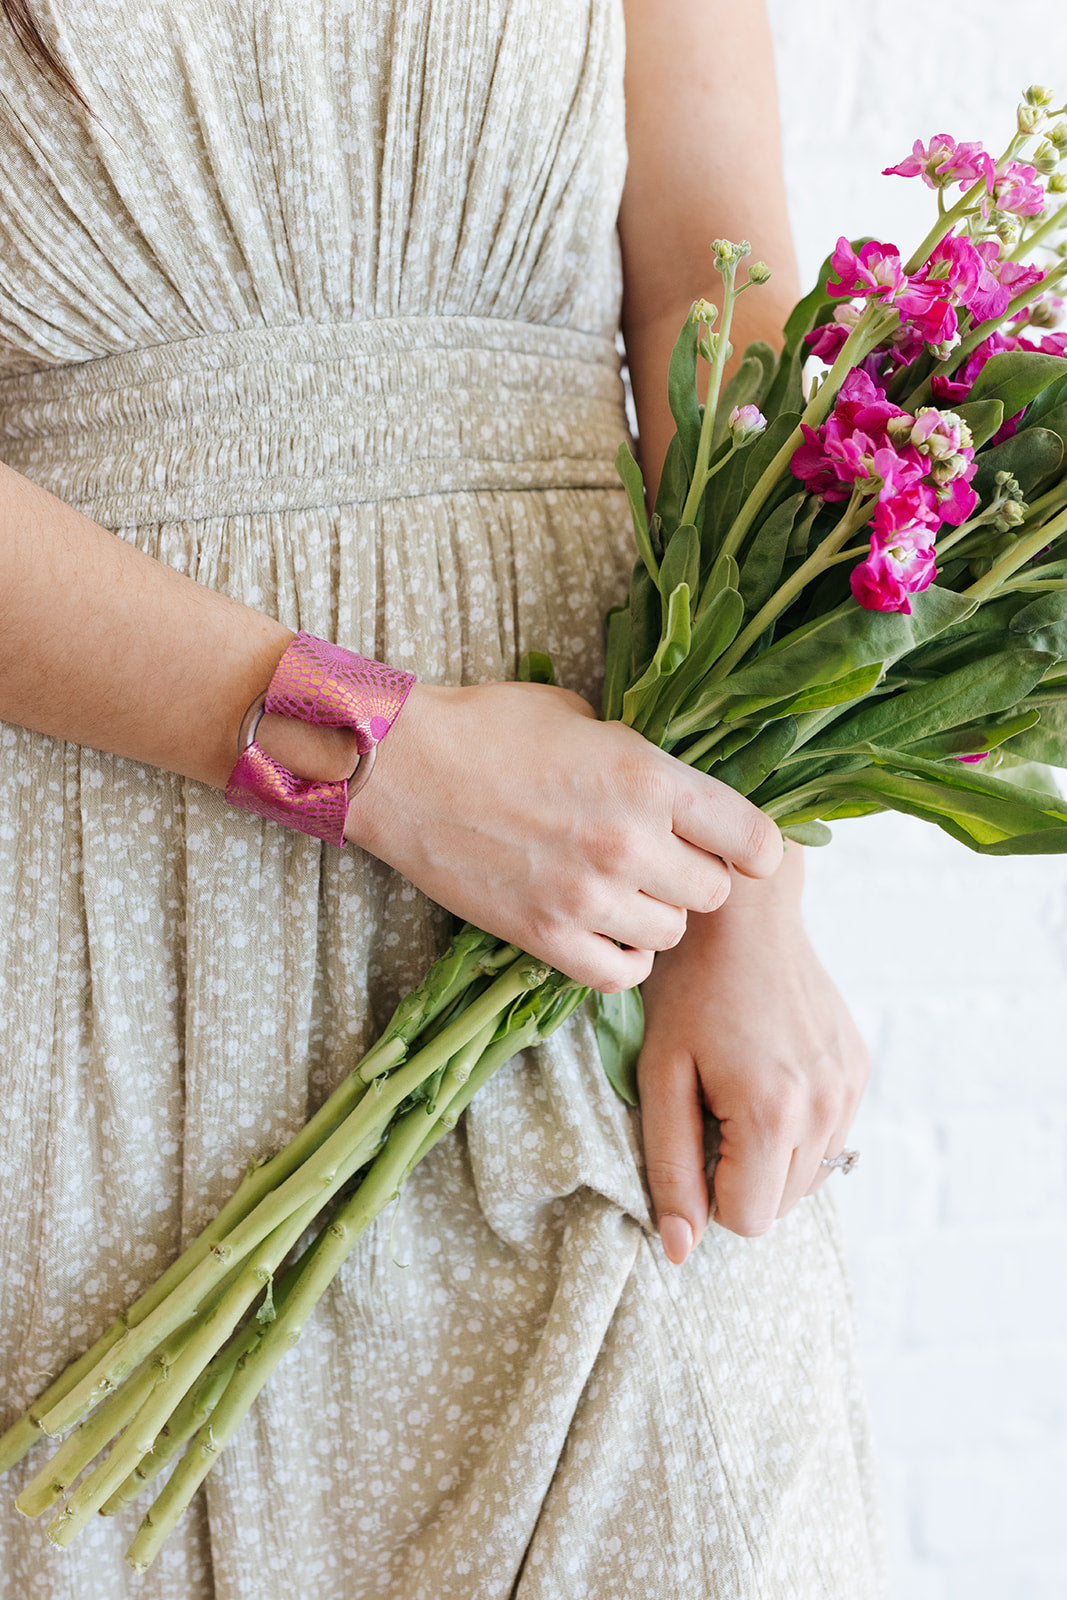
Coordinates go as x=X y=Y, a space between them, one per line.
x=284 y=419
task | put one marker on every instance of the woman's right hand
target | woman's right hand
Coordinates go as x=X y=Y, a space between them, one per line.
x=575 y=839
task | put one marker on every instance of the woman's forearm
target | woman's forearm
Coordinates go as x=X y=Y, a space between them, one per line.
x=705 y=162
x=103 y=645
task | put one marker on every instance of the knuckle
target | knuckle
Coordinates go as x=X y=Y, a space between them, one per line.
x=715 y=889
x=762 y=843
x=666 y=1176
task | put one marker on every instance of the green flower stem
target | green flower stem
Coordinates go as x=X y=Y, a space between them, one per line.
x=477 y=952
x=327 y=1256
x=325 y=1171
x=1016 y=558
x=1051 y=224
x=210 y=1333
x=865 y=336
x=821 y=558
x=969 y=200
x=89 y=1438
x=711 y=399
x=196 y=1406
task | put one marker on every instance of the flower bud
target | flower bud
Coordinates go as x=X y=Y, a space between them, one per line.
x=759 y=272
x=1006 y=226
x=1038 y=95
x=1057 y=135
x=1008 y=482
x=1010 y=515
x=746 y=422
x=899 y=429
x=727 y=254
x=1057 y=184
x=704 y=311
x=1046 y=158
x=1030 y=119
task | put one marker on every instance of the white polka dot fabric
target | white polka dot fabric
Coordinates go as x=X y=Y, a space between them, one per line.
x=320 y=308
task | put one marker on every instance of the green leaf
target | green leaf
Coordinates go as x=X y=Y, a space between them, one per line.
x=1016 y=377
x=616 y=662
x=1050 y=399
x=724 y=574
x=645 y=615
x=670 y=653
x=751 y=765
x=1031 y=455
x=714 y=631
x=765 y=556
x=809 y=833
x=682 y=390
x=1053 y=421
x=673 y=486
x=993 y=684
x=983 y=417
x=536 y=667
x=1047 y=740
x=681 y=561
x=767 y=446
x=619 y=1024
x=839 y=643
x=634 y=484
x=973 y=738
x=853 y=686
x=1044 y=622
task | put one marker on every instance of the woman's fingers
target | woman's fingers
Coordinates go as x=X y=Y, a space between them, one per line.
x=672 y=1129
x=718 y=820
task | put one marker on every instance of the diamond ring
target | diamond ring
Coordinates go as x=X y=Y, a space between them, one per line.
x=843 y=1162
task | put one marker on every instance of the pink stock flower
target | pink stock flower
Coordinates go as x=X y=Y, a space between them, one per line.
x=944 y=162
x=900 y=564
x=907 y=514
x=853 y=444
x=876 y=272
x=998 y=282
x=1016 y=188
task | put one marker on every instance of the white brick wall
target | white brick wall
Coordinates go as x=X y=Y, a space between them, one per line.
x=956 y=967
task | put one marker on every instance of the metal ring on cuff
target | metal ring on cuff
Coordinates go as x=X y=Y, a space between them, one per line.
x=246 y=735
x=844 y=1161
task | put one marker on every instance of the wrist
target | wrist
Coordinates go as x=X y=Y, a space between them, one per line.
x=331 y=697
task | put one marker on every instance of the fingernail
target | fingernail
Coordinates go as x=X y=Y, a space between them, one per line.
x=677 y=1238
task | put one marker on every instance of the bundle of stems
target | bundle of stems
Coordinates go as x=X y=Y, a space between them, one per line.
x=742 y=649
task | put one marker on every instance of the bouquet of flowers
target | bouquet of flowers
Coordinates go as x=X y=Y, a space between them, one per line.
x=851 y=596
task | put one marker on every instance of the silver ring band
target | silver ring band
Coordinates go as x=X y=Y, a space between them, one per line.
x=844 y=1161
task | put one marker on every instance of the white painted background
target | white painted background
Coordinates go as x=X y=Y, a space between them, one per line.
x=955 y=966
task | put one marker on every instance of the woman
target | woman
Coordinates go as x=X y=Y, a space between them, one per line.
x=318 y=315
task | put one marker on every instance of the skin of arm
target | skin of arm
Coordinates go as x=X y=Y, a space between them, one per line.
x=741 y=1019
x=508 y=803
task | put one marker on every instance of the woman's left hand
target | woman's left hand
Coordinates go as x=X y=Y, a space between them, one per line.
x=743 y=1022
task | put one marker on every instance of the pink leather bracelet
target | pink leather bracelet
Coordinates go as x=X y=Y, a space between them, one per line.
x=320 y=683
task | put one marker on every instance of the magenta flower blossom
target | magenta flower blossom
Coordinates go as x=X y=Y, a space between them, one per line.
x=944 y=162
x=999 y=281
x=876 y=272
x=1016 y=188
x=909 y=514
x=900 y=564
x=847 y=447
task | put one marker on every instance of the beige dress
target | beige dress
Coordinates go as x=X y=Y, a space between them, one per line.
x=321 y=309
